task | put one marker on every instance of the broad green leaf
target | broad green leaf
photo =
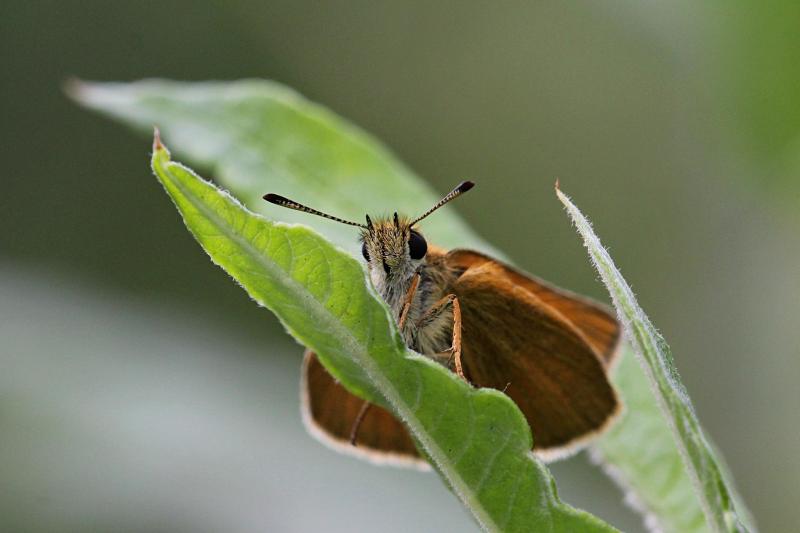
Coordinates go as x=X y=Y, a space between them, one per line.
x=712 y=484
x=259 y=137
x=477 y=439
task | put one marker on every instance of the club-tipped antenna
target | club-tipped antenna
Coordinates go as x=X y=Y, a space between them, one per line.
x=460 y=189
x=291 y=204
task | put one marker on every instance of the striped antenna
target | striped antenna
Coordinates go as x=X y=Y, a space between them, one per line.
x=291 y=204
x=462 y=187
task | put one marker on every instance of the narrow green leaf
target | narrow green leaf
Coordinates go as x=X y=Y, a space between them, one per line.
x=477 y=439
x=709 y=477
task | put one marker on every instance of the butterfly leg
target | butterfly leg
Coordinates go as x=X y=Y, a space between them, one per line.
x=456 y=347
x=433 y=313
x=362 y=413
x=412 y=290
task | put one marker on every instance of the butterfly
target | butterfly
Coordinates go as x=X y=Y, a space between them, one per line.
x=548 y=349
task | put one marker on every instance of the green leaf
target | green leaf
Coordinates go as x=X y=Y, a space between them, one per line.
x=709 y=477
x=259 y=137
x=477 y=439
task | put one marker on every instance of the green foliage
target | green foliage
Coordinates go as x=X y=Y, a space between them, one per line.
x=259 y=137
x=477 y=439
x=713 y=489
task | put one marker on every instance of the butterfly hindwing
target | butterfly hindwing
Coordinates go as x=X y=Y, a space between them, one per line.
x=329 y=412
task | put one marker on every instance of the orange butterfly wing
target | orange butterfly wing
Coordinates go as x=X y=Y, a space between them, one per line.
x=595 y=321
x=518 y=341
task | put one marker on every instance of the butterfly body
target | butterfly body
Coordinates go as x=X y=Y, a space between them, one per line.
x=392 y=268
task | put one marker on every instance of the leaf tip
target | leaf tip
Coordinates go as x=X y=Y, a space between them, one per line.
x=157 y=144
x=74 y=88
x=561 y=196
x=161 y=154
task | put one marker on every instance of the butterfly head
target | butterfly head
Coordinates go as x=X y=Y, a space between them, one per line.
x=393 y=247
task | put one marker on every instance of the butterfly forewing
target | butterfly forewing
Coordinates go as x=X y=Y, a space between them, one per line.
x=514 y=341
x=595 y=321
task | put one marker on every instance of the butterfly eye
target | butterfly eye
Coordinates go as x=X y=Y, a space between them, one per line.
x=364 y=252
x=417 y=247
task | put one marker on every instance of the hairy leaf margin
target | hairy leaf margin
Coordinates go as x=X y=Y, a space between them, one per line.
x=713 y=485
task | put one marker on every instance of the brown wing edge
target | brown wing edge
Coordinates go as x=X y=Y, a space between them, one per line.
x=340 y=444
x=606 y=345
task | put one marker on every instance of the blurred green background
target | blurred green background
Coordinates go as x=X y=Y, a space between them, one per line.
x=143 y=391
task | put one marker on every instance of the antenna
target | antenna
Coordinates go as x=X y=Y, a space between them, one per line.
x=460 y=189
x=291 y=204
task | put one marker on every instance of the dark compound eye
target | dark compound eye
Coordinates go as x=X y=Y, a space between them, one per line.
x=364 y=252
x=417 y=247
